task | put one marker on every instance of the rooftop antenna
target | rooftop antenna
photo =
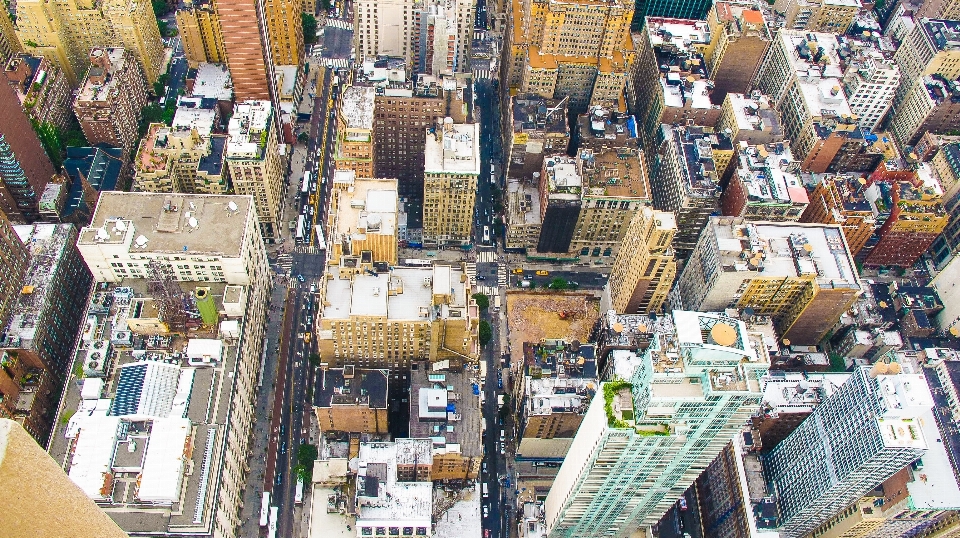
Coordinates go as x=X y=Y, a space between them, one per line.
x=168 y=296
x=550 y=111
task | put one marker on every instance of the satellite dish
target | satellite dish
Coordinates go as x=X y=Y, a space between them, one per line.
x=102 y=234
x=141 y=241
x=232 y=206
x=192 y=221
x=121 y=226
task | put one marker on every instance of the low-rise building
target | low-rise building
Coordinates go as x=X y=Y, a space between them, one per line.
x=802 y=275
x=522 y=215
x=445 y=407
x=111 y=98
x=394 y=493
x=363 y=218
x=539 y=128
x=351 y=400
x=765 y=185
x=392 y=316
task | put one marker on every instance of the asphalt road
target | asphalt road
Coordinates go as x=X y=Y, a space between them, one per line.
x=494 y=463
x=584 y=279
x=178 y=71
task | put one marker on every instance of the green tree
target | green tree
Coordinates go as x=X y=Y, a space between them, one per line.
x=307 y=453
x=558 y=284
x=50 y=139
x=303 y=137
x=484 y=332
x=309 y=28
x=160 y=8
x=160 y=85
x=74 y=138
x=314 y=359
x=482 y=301
x=837 y=363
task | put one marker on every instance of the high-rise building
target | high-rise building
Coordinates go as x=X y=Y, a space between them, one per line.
x=685 y=178
x=354 y=146
x=833 y=16
x=15 y=257
x=589 y=70
x=749 y=119
x=764 y=185
x=670 y=9
x=285 y=28
x=932 y=105
x=870 y=81
x=939 y=9
x=451 y=172
x=802 y=275
x=45 y=325
x=387 y=320
x=840 y=200
x=909 y=212
x=247 y=48
x=46 y=503
x=253 y=159
x=184 y=157
x=110 y=101
x=42 y=89
x=9 y=42
x=739 y=39
x=931 y=47
x=806 y=102
x=351 y=400
x=559 y=192
x=864 y=433
x=643 y=272
x=663 y=417
x=363 y=218
x=946 y=167
x=65 y=32
x=200 y=33
x=401 y=115
x=25 y=168
x=431 y=36
x=668 y=82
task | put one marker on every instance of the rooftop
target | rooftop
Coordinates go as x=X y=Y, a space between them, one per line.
x=604 y=124
x=356 y=107
x=785 y=250
x=349 y=386
x=699 y=170
x=445 y=407
x=524 y=202
x=404 y=293
x=164 y=222
x=248 y=129
x=755 y=113
x=381 y=497
x=563 y=179
x=453 y=148
x=48 y=245
x=812 y=54
x=768 y=173
x=945 y=34
x=532 y=112
x=560 y=377
x=101 y=83
x=368 y=207
x=173 y=417
x=190 y=116
x=793 y=392
x=213 y=81
x=615 y=172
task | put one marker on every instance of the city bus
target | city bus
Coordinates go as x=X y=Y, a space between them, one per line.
x=298 y=497
x=272 y=530
x=305 y=186
x=265 y=509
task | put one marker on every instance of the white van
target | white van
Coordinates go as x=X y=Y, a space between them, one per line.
x=486 y=491
x=486 y=234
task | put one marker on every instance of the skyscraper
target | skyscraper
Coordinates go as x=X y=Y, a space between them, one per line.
x=674 y=9
x=14 y=258
x=857 y=438
x=65 y=32
x=110 y=101
x=246 y=44
x=200 y=33
x=665 y=415
x=451 y=172
x=285 y=28
x=43 y=501
x=25 y=168
x=9 y=42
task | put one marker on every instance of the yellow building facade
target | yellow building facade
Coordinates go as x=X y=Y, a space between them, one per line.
x=200 y=34
x=645 y=269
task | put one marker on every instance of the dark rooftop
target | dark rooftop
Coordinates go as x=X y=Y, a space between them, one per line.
x=534 y=113
x=359 y=387
x=214 y=162
x=101 y=166
x=549 y=358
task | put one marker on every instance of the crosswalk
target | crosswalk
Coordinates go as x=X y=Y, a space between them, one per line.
x=502 y=275
x=472 y=272
x=340 y=23
x=337 y=62
x=285 y=261
x=486 y=256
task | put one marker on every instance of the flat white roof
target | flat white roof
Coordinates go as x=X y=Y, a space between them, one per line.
x=356 y=106
x=93 y=454
x=248 y=118
x=934 y=486
x=163 y=465
x=453 y=149
x=204 y=348
x=213 y=80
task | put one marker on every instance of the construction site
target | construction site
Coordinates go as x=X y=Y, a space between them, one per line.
x=533 y=316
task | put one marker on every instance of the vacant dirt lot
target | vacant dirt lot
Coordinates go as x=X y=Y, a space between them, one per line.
x=535 y=315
